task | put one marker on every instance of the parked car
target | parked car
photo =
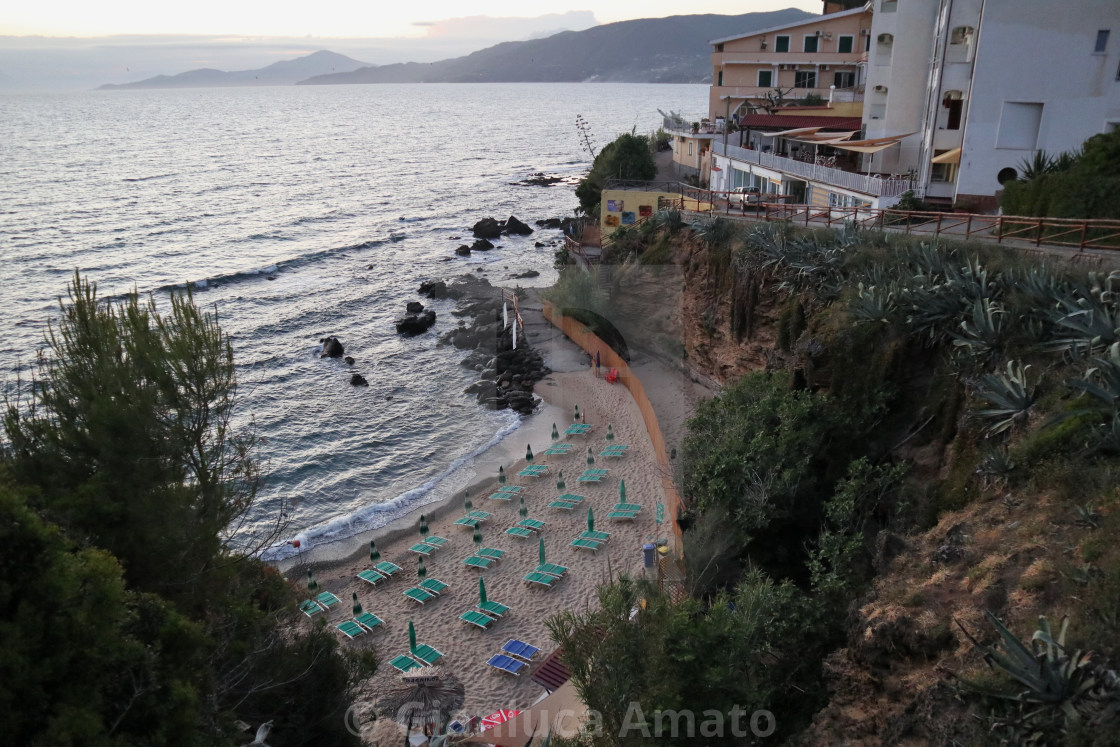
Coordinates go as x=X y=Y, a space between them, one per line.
x=745 y=197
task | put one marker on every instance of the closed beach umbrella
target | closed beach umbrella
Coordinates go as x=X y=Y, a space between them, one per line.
x=411 y=637
x=481 y=590
x=423 y=526
x=540 y=552
x=524 y=510
x=311 y=584
x=467 y=503
x=590 y=458
x=477 y=536
x=357 y=605
x=622 y=490
x=590 y=520
x=610 y=433
x=529 y=453
x=421 y=571
x=560 y=484
x=575 y=416
x=374 y=553
x=555 y=433
x=501 y=475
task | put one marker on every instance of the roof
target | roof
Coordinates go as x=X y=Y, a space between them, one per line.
x=800 y=120
x=552 y=673
x=795 y=24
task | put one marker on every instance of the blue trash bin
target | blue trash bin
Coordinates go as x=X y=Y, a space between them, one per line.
x=647 y=555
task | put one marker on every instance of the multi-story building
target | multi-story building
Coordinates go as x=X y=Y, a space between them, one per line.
x=953 y=96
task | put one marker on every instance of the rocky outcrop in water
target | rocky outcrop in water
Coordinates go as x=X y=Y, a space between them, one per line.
x=414 y=324
x=358 y=380
x=332 y=348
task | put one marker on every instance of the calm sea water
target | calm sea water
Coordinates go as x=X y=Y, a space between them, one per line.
x=296 y=213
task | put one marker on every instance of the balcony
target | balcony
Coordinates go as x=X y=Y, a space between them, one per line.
x=852 y=180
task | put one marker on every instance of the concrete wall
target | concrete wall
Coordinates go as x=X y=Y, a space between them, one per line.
x=630 y=207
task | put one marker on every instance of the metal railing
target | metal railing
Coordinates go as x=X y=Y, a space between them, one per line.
x=863 y=183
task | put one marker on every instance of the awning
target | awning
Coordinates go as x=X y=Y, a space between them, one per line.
x=825 y=137
x=949 y=156
x=871 y=145
x=791 y=133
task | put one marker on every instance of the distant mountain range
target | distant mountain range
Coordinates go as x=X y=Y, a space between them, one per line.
x=652 y=50
x=284 y=73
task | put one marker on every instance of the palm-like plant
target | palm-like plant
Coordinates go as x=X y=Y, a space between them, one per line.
x=1011 y=396
x=982 y=335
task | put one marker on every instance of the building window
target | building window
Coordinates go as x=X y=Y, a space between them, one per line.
x=953 y=103
x=844 y=79
x=883 y=49
x=781 y=43
x=690 y=147
x=889 y=6
x=1019 y=124
x=1102 y=41
x=804 y=79
x=941 y=172
x=719 y=78
x=765 y=78
x=811 y=43
x=960 y=44
x=845 y=44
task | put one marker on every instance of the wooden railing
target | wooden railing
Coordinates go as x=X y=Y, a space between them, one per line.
x=591 y=344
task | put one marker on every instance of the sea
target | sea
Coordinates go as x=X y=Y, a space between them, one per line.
x=296 y=213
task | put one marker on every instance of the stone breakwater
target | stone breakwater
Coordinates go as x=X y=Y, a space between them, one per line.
x=506 y=375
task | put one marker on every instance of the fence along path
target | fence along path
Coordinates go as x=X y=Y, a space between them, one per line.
x=592 y=344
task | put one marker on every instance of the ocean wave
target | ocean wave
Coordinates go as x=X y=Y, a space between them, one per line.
x=147 y=178
x=334 y=215
x=376 y=515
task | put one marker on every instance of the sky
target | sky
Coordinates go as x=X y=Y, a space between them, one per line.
x=325 y=18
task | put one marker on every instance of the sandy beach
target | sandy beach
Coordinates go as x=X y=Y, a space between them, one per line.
x=467 y=648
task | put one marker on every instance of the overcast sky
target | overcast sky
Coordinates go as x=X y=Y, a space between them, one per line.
x=324 y=18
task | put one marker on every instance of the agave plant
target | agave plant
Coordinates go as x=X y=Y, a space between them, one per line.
x=1039 y=164
x=873 y=304
x=1102 y=381
x=982 y=334
x=669 y=220
x=1088 y=325
x=1011 y=395
x=717 y=232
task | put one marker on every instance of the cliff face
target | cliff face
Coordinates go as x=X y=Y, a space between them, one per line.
x=1018 y=548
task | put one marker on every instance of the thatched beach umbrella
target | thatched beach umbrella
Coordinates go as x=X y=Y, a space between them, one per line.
x=560 y=484
x=430 y=695
x=357 y=608
x=374 y=553
x=529 y=453
x=501 y=475
x=610 y=432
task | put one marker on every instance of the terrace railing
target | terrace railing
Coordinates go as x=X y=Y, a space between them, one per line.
x=862 y=183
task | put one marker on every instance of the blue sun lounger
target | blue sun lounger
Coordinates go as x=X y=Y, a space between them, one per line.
x=520 y=649
x=507 y=664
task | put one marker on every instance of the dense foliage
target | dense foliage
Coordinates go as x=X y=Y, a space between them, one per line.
x=626 y=158
x=1070 y=185
x=124 y=616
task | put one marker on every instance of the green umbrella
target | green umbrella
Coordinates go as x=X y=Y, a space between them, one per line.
x=524 y=510
x=590 y=520
x=411 y=637
x=421 y=571
x=529 y=453
x=575 y=417
x=555 y=433
x=477 y=536
x=423 y=526
x=540 y=553
x=590 y=458
x=560 y=484
x=374 y=553
x=501 y=475
x=357 y=605
x=610 y=432
x=467 y=503
x=622 y=491
x=481 y=591
x=311 y=584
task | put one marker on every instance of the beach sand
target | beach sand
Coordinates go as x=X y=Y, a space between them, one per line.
x=467 y=648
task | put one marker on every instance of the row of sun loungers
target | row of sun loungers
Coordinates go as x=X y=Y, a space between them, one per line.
x=364 y=623
x=515 y=655
x=429 y=545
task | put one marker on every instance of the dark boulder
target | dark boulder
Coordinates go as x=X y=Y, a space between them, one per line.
x=482 y=245
x=332 y=348
x=526 y=274
x=349 y=361
x=434 y=289
x=358 y=380
x=514 y=227
x=463 y=250
x=414 y=324
x=487 y=228
x=414 y=307
x=549 y=223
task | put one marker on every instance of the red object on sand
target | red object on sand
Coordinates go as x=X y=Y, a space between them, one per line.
x=612 y=377
x=295 y=544
x=499 y=716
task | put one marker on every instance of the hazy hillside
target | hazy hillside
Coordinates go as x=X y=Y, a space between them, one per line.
x=655 y=50
x=284 y=73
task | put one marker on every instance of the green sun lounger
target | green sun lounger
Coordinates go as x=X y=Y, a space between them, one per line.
x=531 y=472
x=478 y=619
x=535 y=524
x=372 y=577
x=596 y=536
x=477 y=561
x=385 y=568
x=310 y=608
x=369 y=621
x=479 y=515
x=468 y=521
x=589 y=478
x=551 y=569
x=627 y=507
x=570 y=498
x=419 y=595
x=404 y=663
x=437 y=541
x=426 y=654
x=490 y=552
x=423 y=549
x=351 y=629
x=567 y=506
x=585 y=544
x=494 y=609
x=623 y=515
x=433 y=585
x=515 y=489
x=500 y=496
x=520 y=532
x=327 y=600
x=542 y=579
x=599 y=472
x=578 y=429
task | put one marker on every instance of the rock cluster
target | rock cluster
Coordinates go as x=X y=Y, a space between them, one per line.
x=332 y=348
x=489 y=228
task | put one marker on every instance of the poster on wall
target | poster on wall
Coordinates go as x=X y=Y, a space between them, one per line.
x=614 y=206
x=611 y=220
x=645 y=211
x=627 y=218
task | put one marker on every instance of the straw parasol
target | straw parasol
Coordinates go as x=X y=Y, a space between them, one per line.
x=430 y=695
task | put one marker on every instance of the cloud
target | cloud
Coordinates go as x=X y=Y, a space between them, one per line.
x=509 y=29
